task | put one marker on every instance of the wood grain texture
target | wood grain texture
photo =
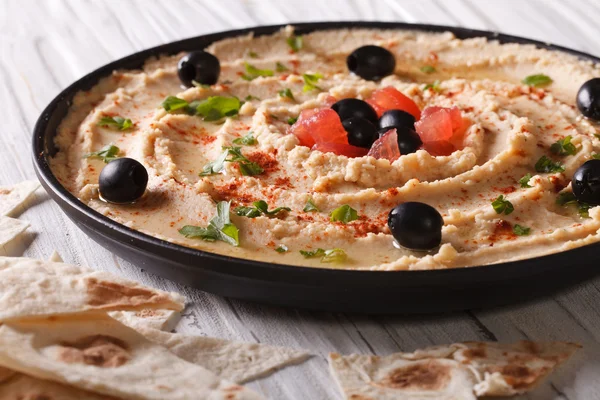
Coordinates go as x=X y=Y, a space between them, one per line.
x=46 y=45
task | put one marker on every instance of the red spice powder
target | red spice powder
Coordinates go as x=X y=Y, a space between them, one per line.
x=265 y=160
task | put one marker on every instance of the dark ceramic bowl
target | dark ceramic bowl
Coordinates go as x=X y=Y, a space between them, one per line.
x=325 y=289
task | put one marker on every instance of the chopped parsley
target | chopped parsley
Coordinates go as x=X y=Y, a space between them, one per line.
x=282 y=248
x=568 y=198
x=428 y=69
x=310 y=206
x=250 y=98
x=327 y=256
x=502 y=206
x=279 y=67
x=248 y=140
x=524 y=181
x=538 y=80
x=260 y=208
x=119 y=123
x=344 y=214
x=215 y=108
x=292 y=120
x=596 y=156
x=219 y=228
x=310 y=82
x=286 y=93
x=106 y=154
x=247 y=167
x=252 y=72
x=295 y=42
x=252 y=54
x=544 y=164
x=564 y=147
x=172 y=103
x=521 y=230
x=435 y=86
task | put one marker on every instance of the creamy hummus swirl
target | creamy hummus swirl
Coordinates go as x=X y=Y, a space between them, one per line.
x=511 y=126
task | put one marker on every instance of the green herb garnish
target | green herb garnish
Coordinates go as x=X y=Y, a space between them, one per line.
x=217 y=107
x=544 y=164
x=435 y=86
x=597 y=135
x=596 y=156
x=247 y=167
x=219 y=228
x=502 y=206
x=115 y=122
x=524 y=181
x=247 y=140
x=172 y=103
x=252 y=54
x=327 y=256
x=252 y=72
x=106 y=154
x=568 y=198
x=310 y=82
x=260 y=208
x=310 y=206
x=428 y=69
x=538 y=80
x=292 y=120
x=282 y=248
x=344 y=214
x=521 y=230
x=279 y=67
x=198 y=84
x=250 y=98
x=564 y=147
x=286 y=93
x=295 y=42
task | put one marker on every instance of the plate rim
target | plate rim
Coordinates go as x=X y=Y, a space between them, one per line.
x=260 y=269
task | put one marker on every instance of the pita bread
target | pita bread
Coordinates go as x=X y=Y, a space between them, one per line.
x=55 y=257
x=456 y=371
x=23 y=387
x=104 y=356
x=36 y=288
x=11 y=197
x=10 y=228
x=511 y=369
x=234 y=361
x=163 y=320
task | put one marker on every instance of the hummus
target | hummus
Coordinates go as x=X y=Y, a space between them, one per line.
x=512 y=125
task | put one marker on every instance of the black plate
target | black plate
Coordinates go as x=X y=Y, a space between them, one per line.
x=326 y=289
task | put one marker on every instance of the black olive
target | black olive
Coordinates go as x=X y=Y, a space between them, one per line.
x=409 y=141
x=586 y=183
x=123 y=180
x=396 y=119
x=416 y=226
x=199 y=66
x=361 y=132
x=349 y=108
x=588 y=99
x=371 y=62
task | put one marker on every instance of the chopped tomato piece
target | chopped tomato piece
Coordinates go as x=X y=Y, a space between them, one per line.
x=319 y=126
x=386 y=146
x=389 y=98
x=440 y=130
x=341 y=149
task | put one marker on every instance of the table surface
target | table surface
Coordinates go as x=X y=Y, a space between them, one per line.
x=46 y=45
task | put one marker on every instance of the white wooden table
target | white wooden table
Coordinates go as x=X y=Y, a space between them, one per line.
x=46 y=45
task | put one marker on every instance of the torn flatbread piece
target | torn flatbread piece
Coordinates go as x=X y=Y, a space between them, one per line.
x=10 y=228
x=23 y=387
x=455 y=371
x=103 y=356
x=235 y=361
x=363 y=377
x=11 y=197
x=55 y=257
x=163 y=320
x=36 y=288
x=511 y=369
